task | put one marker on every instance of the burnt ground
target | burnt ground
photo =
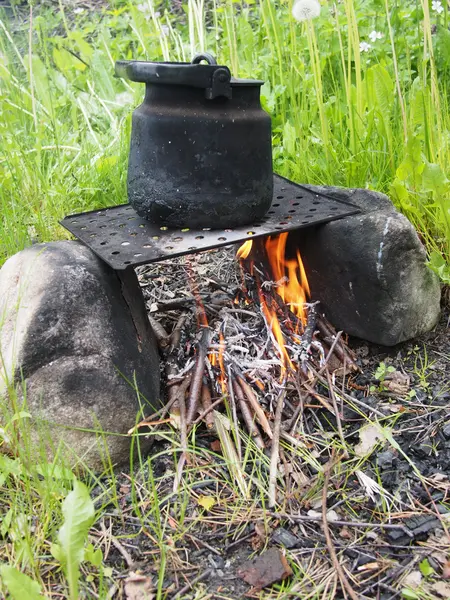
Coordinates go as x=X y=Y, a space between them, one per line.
x=194 y=550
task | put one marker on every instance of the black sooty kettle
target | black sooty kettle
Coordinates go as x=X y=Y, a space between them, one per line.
x=200 y=152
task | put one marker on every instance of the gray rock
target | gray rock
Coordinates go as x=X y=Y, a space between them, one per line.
x=369 y=272
x=446 y=431
x=386 y=459
x=76 y=333
x=285 y=538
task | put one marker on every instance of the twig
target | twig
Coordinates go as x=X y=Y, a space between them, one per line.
x=307 y=335
x=161 y=413
x=298 y=413
x=338 y=523
x=318 y=397
x=175 y=304
x=175 y=336
x=232 y=401
x=196 y=387
x=248 y=418
x=275 y=449
x=341 y=350
x=183 y=432
x=161 y=334
x=207 y=407
x=207 y=412
x=251 y=397
x=330 y=353
x=190 y=585
x=336 y=413
x=115 y=542
x=331 y=549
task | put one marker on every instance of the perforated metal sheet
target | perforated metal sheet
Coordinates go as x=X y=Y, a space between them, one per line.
x=120 y=237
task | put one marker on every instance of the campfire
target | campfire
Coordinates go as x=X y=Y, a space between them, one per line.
x=260 y=353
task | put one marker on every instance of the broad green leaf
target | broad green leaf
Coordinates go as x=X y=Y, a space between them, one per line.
x=434 y=179
x=20 y=586
x=289 y=138
x=384 y=90
x=439 y=266
x=93 y=556
x=78 y=510
x=425 y=568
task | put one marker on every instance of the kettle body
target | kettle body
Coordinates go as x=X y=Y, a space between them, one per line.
x=200 y=150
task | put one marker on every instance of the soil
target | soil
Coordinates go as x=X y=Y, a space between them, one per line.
x=213 y=549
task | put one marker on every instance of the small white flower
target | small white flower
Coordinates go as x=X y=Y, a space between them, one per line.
x=143 y=8
x=165 y=30
x=364 y=47
x=436 y=5
x=305 y=10
x=78 y=11
x=375 y=35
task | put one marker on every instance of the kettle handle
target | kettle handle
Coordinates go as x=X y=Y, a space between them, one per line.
x=204 y=56
x=215 y=79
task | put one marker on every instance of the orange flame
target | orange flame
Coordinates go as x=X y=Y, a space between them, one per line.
x=291 y=285
x=245 y=249
x=223 y=377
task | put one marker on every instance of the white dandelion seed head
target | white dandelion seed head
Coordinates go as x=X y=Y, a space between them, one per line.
x=375 y=35
x=305 y=10
x=436 y=5
x=364 y=47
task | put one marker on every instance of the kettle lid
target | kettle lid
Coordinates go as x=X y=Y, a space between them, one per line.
x=215 y=79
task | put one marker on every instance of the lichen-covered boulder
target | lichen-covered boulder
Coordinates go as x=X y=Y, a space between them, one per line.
x=369 y=270
x=77 y=337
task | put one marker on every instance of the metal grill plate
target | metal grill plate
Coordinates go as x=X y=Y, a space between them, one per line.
x=120 y=237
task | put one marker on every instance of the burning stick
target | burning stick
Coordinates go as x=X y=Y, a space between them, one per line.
x=247 y=415
x=308 y=333
x=196 y=387
x=275 y=450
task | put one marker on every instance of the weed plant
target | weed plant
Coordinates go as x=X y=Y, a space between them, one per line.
x=359 y=97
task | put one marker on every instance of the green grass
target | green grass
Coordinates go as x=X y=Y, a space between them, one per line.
x=341 y=116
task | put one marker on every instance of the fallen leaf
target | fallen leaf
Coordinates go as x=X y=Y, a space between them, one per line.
x=268 y=568
x=369 y=437
x=345 y=533
x=446 y=571
x=442 y=588
x=331 y=515
x=413 y=579
x=207 y=502
x=138 y=587
x=259 y=539
x=397 y=383
x=215 y=446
